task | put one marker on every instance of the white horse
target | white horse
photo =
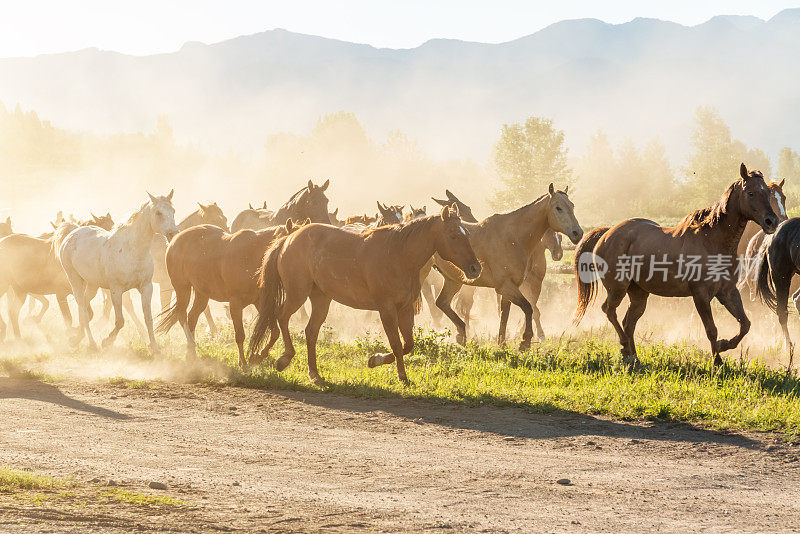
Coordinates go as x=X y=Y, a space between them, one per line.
x=118 y=260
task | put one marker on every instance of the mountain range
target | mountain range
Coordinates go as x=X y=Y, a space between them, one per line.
x=641 y=79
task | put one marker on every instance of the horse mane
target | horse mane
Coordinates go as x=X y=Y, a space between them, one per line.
x=136 y=214
x=709 y=216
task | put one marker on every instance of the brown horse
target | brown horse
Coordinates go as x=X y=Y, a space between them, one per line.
x=378 y=270
x=210 y=214
x=29 y=265
x=218 y=266
x=694 y=259
x=504 y=243
x=252 y=218
x=415 y=213
x=334 y=218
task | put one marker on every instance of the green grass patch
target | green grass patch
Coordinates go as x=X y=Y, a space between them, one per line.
x=14 y=480
x=678 y=383
x=140 y=499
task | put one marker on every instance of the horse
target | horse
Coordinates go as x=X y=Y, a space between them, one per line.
x=387 y=215
x=778 y=262
x=365 y=219
x=415 y=213
x=213 y=264
x=205 y=214
x=252 y=218
x=5 y=228
x=29 y=265
x=503 y=243
x=463 y=209
x=704 y=239
x=378 y=270
x=118 y=260
x=334 y=218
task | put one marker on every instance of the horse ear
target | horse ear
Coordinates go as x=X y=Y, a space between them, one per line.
x=336 y=212
x=440 y=202
x=108 y=214
x=566 y=190
x=780 y=184
x=326 y=184
x=250 y=205
x=450 y=195
x=289 y=225
x=171 y=192
x=307 y=221
x=446 y=213
x=265 y=205
x=454 y=209
x=425 y=210
x=54 y=225
x=380 y=208
x=310 y=185
x=202 y=208
x=743 y=171
x=93 y=215
x=551 y=189
x=152 y=198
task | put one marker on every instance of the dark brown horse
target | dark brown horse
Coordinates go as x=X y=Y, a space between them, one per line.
x=504 y=243
x=778 y=263
x=695 y=259
x=378 y=270
x=212 y=264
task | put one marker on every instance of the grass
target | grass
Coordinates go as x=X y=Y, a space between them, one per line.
x=140 y=499
x=678 y=383
x=13 y=480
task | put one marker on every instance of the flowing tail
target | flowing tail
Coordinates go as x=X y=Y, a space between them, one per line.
x=586 y=290
x=167 y=318
x=271 y=296
x=765 y=287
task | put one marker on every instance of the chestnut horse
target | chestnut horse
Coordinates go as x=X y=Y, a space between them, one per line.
x=205 y=214
x=694 y=259
x=213 y=264
x=504 y=243
x=378 y=270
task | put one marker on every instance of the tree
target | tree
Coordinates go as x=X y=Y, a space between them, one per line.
x=789 y=168
x=527 y=159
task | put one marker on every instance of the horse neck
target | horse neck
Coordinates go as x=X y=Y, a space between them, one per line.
x=727 y=231
x=140 y=230
x=528 y=224
x=417 y=242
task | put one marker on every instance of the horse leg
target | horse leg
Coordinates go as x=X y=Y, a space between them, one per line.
x=15 y=302
x=183 y=295
x=464 y=302
x=505 y=309
x=614 y=296
x=390 y=321
x=238 y=330
x=127 y=302
x=290 y=306
x=732 y=300
x=164 y=296
x=430 y=300
x=146 y=292
x=119 y=320
x=89 y=292
x=534 y=287
x=638 y=303
x=512 y=293
x=443 y=301
x=66 y=315
x=320 y=304
x=45 y=305
x=212 y=326
x=703 y=305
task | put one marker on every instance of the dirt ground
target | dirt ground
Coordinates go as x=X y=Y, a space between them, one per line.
x=249 y=460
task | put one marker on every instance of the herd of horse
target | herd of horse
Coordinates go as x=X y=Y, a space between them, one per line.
x=277 y=261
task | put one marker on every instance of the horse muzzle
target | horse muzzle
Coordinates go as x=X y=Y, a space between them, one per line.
x=473 y=270
x=770 y=224
x=575 y=235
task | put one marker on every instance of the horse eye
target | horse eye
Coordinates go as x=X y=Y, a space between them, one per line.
x=750 y=193
x=558 y=208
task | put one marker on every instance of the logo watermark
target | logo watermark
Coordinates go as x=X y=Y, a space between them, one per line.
x=591 y=268
x=684 y=267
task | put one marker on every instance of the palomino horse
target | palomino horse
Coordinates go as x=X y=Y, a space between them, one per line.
x=378 y=270
x=504 y=243
x=252 y=218
x=778 y=263
x=694 y=259
x=204 y=214
x=118 y=261
x=29 y=265
x=219 y=266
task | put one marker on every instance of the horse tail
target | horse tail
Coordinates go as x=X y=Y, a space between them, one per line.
x=765 y=285
x=587 y=291
x=167 y=318
x=271 y=295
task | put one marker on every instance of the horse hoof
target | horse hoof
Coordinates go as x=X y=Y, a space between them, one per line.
x=282 y=363
x=107 y=342
x=75 y=341
x=405 y=381
x=525 y=345
x=374 y=361
x=316 y=380
x=461 y=339
x=717 y=360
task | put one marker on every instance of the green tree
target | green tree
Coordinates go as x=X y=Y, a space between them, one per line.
x=789 y=168
x=527 y=158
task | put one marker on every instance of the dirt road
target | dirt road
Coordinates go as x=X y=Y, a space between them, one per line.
x=253 y=460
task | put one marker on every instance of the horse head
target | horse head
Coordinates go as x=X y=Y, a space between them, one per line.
x=755 y=199
x=464 y=210
x=161 y=214
x=212 y=214
x=453 y=245
x=561 y=214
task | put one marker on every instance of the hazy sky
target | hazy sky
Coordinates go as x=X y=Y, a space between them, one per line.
x=30 y=27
